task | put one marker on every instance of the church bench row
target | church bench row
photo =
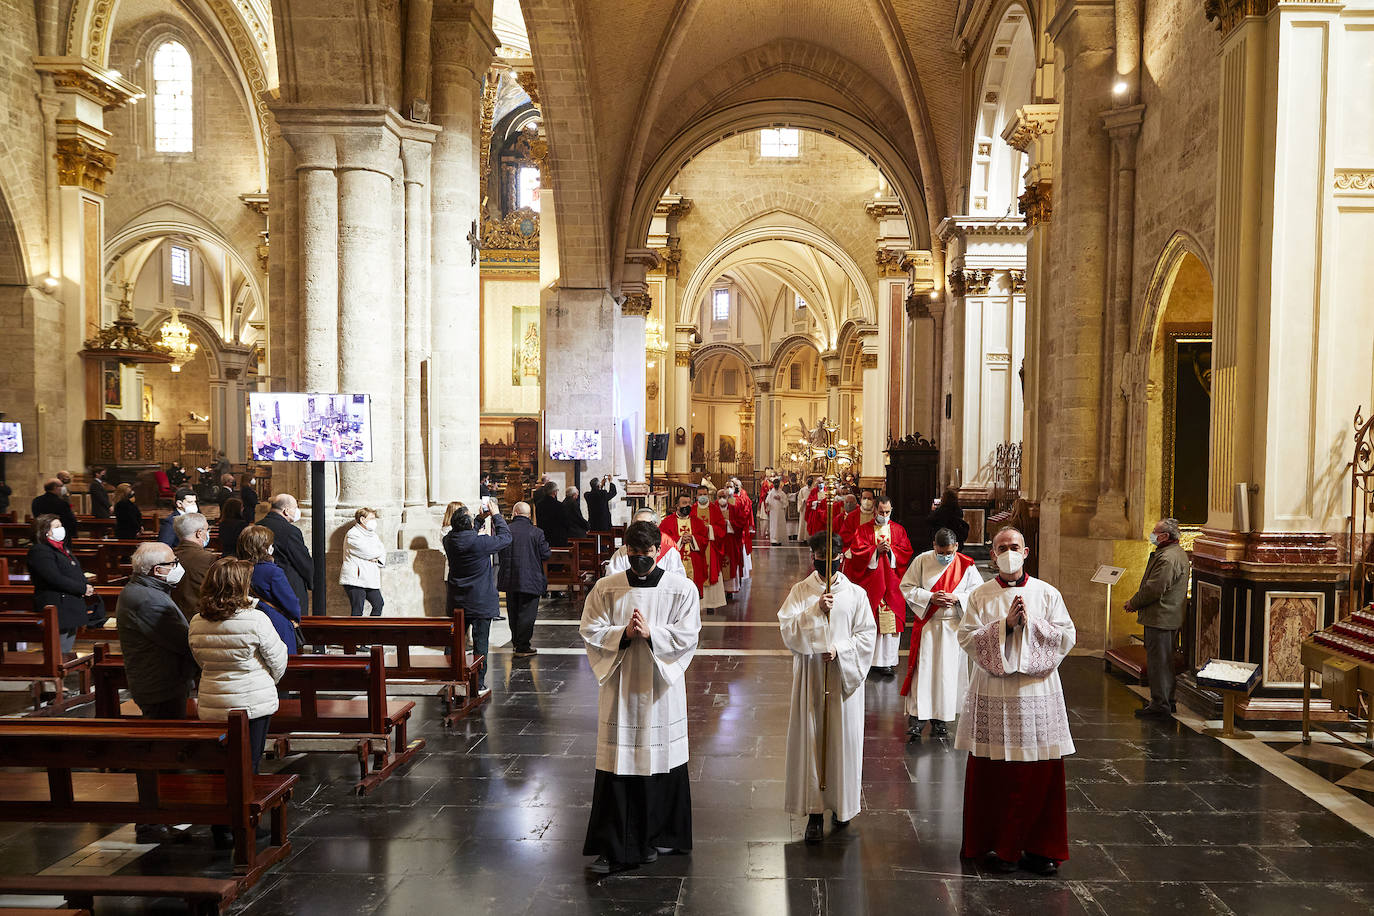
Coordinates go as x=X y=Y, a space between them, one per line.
x=100 y=771
x=376 y=725
x=42 y=661
x=203 y=896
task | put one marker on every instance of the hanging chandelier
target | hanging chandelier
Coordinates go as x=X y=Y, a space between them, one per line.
x=122 y=340
x=176 y=337
x=654 y=346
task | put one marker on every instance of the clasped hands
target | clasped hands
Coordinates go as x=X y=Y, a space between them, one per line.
x=827 y=603
x=1016 y=617
x=637 y=626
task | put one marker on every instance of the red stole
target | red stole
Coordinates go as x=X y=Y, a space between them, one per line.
x=949 y=580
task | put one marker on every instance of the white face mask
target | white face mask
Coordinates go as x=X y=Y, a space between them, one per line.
x=174 y=574
x=722 y=502
x=270 y=550
x=370 y=524
x=867 y=504
x=704 y=500
x=1152 y=538
x=1009 y=563
x=880 y=519
x=188 y=507
x=58 y=534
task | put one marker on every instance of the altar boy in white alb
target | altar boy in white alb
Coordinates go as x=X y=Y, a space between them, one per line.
x=1014 y=724
x=834 y=632
x=937 y=586
x=641 y=630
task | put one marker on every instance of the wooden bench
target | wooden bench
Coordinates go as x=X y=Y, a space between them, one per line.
x=203 y=896
x=69 y=786
x=19 y=596
x=376 y=725
x=456 y=671
x=561 y=569
x=46 y=663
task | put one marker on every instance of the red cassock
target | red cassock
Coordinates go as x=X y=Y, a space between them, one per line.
x=748 y=518
x=883 y=582
x=738 y=543
x=698 y=562
x=815 y=515
x=852 y=521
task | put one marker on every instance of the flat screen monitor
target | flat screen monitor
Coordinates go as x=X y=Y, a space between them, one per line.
x=575 y=444
x=11 y=438
x=295 y=426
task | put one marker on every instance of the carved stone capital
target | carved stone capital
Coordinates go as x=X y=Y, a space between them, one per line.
x=884 y=208
x=106 y=88
x=889 y=262
x=528 y=83
x=1018 y=280
x=868 y=360
x=670 y=257
x=1030 y=124
x=1037 y=204
x=82 y=164
x=764 y=386
x=682 y=358
x=832 y=380
x=262 y=250
x=1227 y=14
x=256 y=202
x=969 y=281
x=958 y=286
x=636 y=305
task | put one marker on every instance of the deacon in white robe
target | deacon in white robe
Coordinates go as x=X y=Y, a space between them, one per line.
x=669 y=560
x=841 y=641
x=776 y=504
x=1014 y=725
x=641 y=629
x=936 y=586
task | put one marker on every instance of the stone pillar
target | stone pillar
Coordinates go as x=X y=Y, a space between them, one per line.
x=415 y=157
x=461 y=56
x=579 y=327
x=767 y=450
x=831 y=361
x=875 y=415
x=680 y=456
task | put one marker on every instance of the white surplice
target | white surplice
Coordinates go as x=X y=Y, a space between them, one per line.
x=802 y=533
x=777 y=516
x=642 y=706
x=942 y=668
x=669 y=562
x=1014 y=709
x=849 y=635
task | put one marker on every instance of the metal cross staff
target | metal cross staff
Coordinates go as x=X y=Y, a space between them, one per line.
x=834 y=456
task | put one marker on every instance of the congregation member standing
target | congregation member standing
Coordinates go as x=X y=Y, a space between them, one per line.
x=831 y=637
x=58 y=580
x=549 y=515
x=360 y=573
x=52 y=502
x=1014 y=724
x=522 y=578
x=100 y=496
x=193 y=534
x=878 y=556
x=1160 y=603
x=599 y=503
x=231 y=524
x=574 y=525
x=276 y=598
x=128 y=517
x=949 y=514
x=776 y=505
x=640 y=628
x=937 y=586
x=471 y=579
x=185 y=503
x=668 y=558
x=289 y=550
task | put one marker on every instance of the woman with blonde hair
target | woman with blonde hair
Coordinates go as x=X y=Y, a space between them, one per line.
x=363 y=559
x=449 y=512
x=241 y=657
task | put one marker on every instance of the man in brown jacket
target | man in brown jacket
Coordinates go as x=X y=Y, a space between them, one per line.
x=193 y=533
x=1160 y=601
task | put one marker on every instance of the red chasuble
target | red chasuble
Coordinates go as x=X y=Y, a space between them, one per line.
x=949 y=580
x=815 y=515
x=701 y=561
x=739 y=543
x=883 y=582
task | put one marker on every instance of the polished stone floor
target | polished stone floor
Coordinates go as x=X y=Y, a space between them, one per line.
x=490 y=818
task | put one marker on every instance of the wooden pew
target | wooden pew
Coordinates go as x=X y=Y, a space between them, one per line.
x=203 y=896
x=222 y=790
x=19 y=596
x=95 y=527
x=40 y=665
x=456 y=671
x=561 y=569
x=16 y=534
x=376 y=725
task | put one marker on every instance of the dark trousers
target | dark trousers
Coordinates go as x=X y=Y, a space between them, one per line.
x=175 y=708
x=357 y=594
x=1159 y=666
x=479 y=635
x=522 y=608
x=257 y=738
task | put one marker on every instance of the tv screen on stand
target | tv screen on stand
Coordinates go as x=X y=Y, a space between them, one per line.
x=575 y=444
x=297 y=426
x=11 y=439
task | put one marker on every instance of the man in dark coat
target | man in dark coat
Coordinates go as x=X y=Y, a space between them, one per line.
x=471 y=580
x=100 y=497
x=186 y=503
x=50 y=502
x=574 y=525
x=153 y=635
x=1160 y=601
x=548 y=515
x=249 y=497
x=599 y=503
x=288 y=548
x=522 y=577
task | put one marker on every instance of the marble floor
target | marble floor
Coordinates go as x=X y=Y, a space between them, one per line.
x=490 y=818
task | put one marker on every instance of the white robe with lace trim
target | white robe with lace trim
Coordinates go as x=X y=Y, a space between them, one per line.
x=642 y=706
x=1014 y=709
x=849 y=635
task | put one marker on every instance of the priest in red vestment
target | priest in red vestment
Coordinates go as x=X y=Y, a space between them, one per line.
x=860 y=516
x=701 y=542
x=821 y=502
x=877 y=560
x=739 y=533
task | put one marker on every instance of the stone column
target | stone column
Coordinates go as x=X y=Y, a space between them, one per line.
x=680 y=456
x=831 y=361
x=766 y=450
x=461 y=56
x=416 y=146
x=875 y=417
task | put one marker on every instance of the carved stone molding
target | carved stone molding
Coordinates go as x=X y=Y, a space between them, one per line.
x=1031 y=123
x=262 y=249
x=1037 y=204
x=81 y=164
x=1228 y=13
x=670 y=257
x=918 y=306
x=673 y=207
x=519 y=231
x=1018 y=280
x=868 y=360
x=527 y=82
x=1354 y=180
x=636 y=305
x=889 y=262
x=651 y=390
x=682 y=358
x=833 y=380
x=884 y=208
x=764 y=386
x=258 y=203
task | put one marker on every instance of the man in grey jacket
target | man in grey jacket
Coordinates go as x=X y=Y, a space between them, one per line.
x=1161 y=601
x=153 y=638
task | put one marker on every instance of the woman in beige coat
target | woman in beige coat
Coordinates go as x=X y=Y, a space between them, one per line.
x=363 y=559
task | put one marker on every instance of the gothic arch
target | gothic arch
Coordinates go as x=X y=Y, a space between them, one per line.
x=1006 y=74
x=1180 y=245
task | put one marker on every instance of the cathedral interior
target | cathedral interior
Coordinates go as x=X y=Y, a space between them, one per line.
x=1071 y=266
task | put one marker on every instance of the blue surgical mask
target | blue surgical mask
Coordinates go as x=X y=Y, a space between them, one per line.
x=1152 y=538
x=945 y=558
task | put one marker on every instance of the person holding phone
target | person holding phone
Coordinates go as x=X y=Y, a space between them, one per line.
x=471 y=578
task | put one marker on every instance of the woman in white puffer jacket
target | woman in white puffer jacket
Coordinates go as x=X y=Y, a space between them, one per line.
x=241 y=657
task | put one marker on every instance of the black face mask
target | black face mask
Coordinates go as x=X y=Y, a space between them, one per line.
x=641 y=566
x=684 y=511
x=820 y=567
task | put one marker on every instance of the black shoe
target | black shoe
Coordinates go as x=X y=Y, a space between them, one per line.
x=889 y=671
x=651 y=858
x=938 y=729
x=1038 y=865
x=1152 y=712
x=997 y=865
x=914 y=726
x=815 y=827
x=836 y=825
x=524 y=653
x=604 y=866
x=152 y=833
x=667 y=851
